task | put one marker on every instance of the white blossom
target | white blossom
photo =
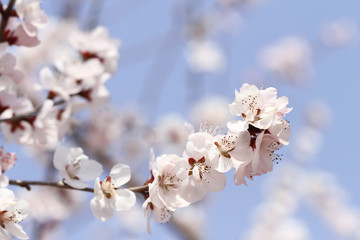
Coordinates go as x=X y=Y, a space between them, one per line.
x=205 y=56
x=10 y=77
x=288 y=58
x=12 y=211
x=30 y=15
x=259 y=108
x=201 y=154
x=97 y=44
x=339 y=33
x=233 y=150
x=76 y=167
x=7 y=161
x=107 y=195
x=161 y=213
x=169 y=172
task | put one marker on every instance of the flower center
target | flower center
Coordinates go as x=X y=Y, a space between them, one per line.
x=201 y=166
x=227 y=145
x=107 y=187
x=73 y=167
x=167 y=180
x=13 y=216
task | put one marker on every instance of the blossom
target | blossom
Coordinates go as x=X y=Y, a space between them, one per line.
x=205 y=56
x=9 y=75
x=27 y=126
x=97 y=44
x=201 y=153
x=7 y=160
x=169 y=172
x=86 y=72
x=161 y=213
x=75 y=167
x=262 y=159
x=30 y=15
x=12 y=211
x=340 y=33
x=289 y=58
x=107 y=195
x=60 y=85
x=15 y=34
x=258 y=107
x=20 y=129
x=233 y=150
x=264 y=153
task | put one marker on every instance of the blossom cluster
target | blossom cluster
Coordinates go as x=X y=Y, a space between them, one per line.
x=178 y=180
x=12 y=209
x=249 y=146
x=73 y=82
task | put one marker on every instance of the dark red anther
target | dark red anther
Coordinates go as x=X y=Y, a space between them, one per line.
x=90 y=55
x=192 y=162
x=51 y=95
x=201 y=160
x=243 y=115
x=86 y=94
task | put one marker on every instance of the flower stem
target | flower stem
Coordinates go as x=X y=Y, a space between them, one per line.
x=28 y=184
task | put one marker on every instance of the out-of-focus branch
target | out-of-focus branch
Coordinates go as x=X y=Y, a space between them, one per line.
x=71 y=9
x=28 y=114
x=96 y=7
x=28 y=184
x=5 y=17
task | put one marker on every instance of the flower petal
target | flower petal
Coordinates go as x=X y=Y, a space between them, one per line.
x=76 y=183
x=237 y=125
x=16 y=230
x=61 y=157
x=4 y=235
x=193 y=190
x=89 y=170
x=4 y=181
x=214 y=181
x=101 y=210
x=120 y=174
x=124 y=199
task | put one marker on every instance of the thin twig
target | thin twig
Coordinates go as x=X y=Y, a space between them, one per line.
x=5 y=18
x=28 y=184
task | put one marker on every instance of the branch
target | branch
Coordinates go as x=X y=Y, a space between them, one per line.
x=5 y=17
x=28 y=114
x=28 y=184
